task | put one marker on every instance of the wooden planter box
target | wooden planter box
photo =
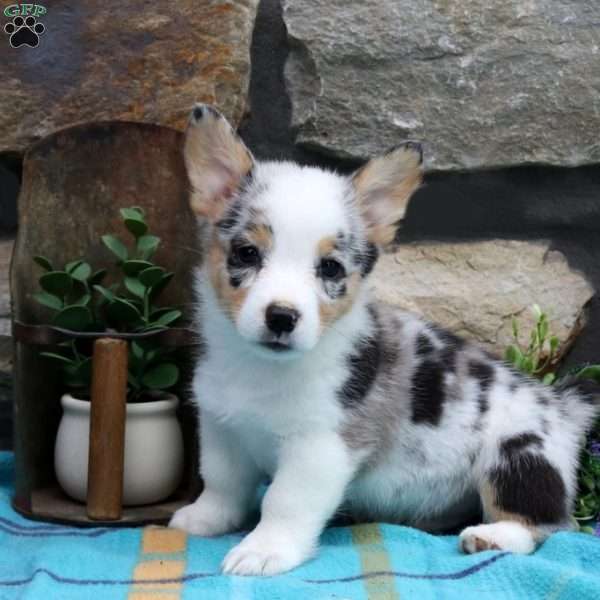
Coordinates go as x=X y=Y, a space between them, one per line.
x=74 y=183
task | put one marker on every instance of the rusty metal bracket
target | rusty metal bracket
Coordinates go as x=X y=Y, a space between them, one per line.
x=47 y=335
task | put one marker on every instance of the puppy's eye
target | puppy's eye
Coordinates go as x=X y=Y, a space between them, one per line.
x=247 y=255
x=330 y=268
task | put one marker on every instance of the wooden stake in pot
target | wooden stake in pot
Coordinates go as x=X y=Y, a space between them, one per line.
x=107 y=430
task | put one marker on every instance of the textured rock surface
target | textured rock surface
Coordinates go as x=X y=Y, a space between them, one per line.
x=135 y=60
x=483 y=83
x=474 y=289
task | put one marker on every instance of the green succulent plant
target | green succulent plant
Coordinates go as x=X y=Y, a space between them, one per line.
x=80 y=301
x=537 y=359
x=538 y=356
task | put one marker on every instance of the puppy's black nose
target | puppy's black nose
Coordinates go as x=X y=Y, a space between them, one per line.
x=281 y=319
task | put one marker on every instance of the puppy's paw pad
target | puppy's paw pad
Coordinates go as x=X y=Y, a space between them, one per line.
x=508 y=536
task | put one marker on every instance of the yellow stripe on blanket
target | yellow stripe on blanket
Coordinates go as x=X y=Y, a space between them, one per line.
x=374 y=558
x=162 y=560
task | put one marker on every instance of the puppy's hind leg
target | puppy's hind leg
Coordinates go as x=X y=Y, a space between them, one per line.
x=524 y=499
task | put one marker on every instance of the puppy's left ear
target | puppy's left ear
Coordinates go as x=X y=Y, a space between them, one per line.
x=216 y=160
x=383 y=188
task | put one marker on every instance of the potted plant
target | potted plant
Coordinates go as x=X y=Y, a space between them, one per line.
x=79 y=301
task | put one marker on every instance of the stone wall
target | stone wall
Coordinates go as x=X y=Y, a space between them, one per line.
x=505 y=97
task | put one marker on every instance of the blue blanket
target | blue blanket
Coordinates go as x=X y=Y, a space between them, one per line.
x=376 y=562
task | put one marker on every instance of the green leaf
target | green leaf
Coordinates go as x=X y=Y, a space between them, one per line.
x=123 y=311
x=549 y=378
x=537 y=311
x=133 y=267
x=97 y=277
x=83 y=300
x=80 y=374
x=137 y=350
x=157 y=312
x=81 y=272
x=166 y=318
x=513 y=354
x=74 y=317
x=135 y=287
x=105 y=293
x=151 y=276
x=161 y=285
x=527 y=365
x=137 y=227
x=161 y=376
x=58 y=357
x=116 y=246
x=139 y=210
x=543 y=327
x=43 y=262
x=133 y=382
x=49 y=300
x=515 y=328
x=590 y=372
x=147 y=245
x=554 y=343
x=135 y=212
x=72 y=265
x=57 y=283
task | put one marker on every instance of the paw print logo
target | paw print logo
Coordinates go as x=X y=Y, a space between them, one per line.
x=24 y=32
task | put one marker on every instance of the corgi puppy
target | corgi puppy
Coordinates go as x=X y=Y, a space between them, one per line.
x=345 y=405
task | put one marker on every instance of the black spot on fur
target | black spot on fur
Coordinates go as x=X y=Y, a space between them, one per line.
x=367 y=259
x=428 y=392
x=529 y=486
x=447 y=357
x=449 y=339
x=363 y=365
x=231 y=218
x=428 y=382
x=424 y=345
x=482 y=402
x=520 y=442
x=483 y=372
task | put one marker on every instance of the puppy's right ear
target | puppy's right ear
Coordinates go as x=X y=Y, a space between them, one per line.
x=216 y=160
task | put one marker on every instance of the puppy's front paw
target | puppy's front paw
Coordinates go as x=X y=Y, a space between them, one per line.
x=207 y=517
x=503 y=535
x=262 y=553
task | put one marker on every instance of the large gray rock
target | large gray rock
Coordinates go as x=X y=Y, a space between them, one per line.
x=483 y=83
x=101 y=60
x=474 y=289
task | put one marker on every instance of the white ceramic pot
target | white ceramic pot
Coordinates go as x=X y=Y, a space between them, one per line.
x=153 y=450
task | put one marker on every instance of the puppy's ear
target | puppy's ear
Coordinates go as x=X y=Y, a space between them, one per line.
x=383 y=187
x=216 y=160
